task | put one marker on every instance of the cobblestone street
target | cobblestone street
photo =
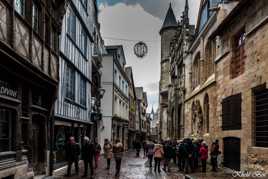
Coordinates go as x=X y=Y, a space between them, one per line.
x=135 y=168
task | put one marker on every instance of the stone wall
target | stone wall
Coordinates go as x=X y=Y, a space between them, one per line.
x=255 y=74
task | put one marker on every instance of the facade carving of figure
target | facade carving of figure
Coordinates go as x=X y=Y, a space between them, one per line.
x=197 y=120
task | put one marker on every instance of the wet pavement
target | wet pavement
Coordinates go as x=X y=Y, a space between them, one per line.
x=135 y=168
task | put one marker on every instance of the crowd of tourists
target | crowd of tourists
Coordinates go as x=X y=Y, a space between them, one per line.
x=189 y=155
x=90 y=154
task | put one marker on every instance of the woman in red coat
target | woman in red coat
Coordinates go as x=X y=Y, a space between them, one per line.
x=204 y=155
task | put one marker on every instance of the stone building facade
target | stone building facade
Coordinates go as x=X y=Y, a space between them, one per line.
x=226 y=81
x=241 y=75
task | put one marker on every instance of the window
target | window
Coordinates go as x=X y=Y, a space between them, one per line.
x=47 y=32
x=196 y=71
x=204 y=16
x=261 y=116
x=20 y=7
x=123 y=85
x=7 y=118
x=119 y=81
x=238 y=62
x=35 y=17
x=210 y=55
x=83 y=91
x=70 y=83
x=231 y=112
x=71 y=26
x=54 y=39
x=83 y=42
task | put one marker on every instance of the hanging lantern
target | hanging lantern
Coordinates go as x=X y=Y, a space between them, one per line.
x=140 y=49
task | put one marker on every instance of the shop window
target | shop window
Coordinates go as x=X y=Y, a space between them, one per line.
x=7 y=124
x=261 y=116
x=231 y=112
x=70 y=82
x=20 y=7
x=238 y=59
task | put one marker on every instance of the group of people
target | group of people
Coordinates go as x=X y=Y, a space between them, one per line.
x=90 y=154
x=188 y=154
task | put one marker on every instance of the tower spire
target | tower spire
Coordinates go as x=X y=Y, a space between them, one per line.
x=170 y=19
x=186 y=13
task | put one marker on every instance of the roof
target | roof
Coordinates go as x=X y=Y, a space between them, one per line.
x=116 y=47
x=235 y=11
x=170 y=20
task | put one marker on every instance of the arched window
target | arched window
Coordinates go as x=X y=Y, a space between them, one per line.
x=206 y=113
x=210 y=54
x=196 y=71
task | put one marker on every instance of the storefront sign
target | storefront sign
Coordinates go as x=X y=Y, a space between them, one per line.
x=7 y=90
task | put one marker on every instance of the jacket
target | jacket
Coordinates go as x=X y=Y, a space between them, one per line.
x=118 y=150
x=158 y=151
x=203 y=153
x=72 y=151
x=88 y=151
x=108 y=150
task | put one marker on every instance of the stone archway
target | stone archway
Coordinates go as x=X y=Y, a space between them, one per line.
x=197 y=118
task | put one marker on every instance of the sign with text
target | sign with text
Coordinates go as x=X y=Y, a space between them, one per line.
x=7 y=90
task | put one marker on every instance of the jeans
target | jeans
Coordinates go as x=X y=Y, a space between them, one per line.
x=204 y=165
x=150 y=157
x=108 y=163
x=117 y=165
x=70 y=163
x=214 y=163
x=157 y=162
x=86 y=162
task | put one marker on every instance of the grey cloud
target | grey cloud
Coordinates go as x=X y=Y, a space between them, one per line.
x=158 y=8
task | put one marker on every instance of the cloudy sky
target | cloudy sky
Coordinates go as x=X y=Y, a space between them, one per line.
x=127 y=22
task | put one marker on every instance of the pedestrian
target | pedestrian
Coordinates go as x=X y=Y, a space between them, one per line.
x=189 y=155
x=204 y=155
x=174 y=155
x=158 y=155
x=118 y=154
x=138 y=148
x=150 y=152
x=182 y=155
x=214 y=155
x=72 y=155
x=168 y=155
x=88 y=151
x=108 y=152
x=195 y=154
x=97 y=152
x=144 y=146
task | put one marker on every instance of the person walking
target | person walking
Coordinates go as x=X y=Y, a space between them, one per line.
x=72 y=155
x=108 y=152
x=97 y=153
x=204 y=156
x=144 y=147
x=88 y=151
x=118 y=154
x=138 y=148
x=158 y=155
x=195 y=154
x=214 y=155
x=168 y=155
x=150 y=152
x=189 y=155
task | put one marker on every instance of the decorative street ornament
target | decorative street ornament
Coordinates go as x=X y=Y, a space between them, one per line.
x=140 y=49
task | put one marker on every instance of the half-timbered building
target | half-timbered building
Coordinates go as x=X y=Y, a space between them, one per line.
x=29 y=51
x=73 y=106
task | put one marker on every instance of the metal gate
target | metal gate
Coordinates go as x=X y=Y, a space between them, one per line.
x=231 y=147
